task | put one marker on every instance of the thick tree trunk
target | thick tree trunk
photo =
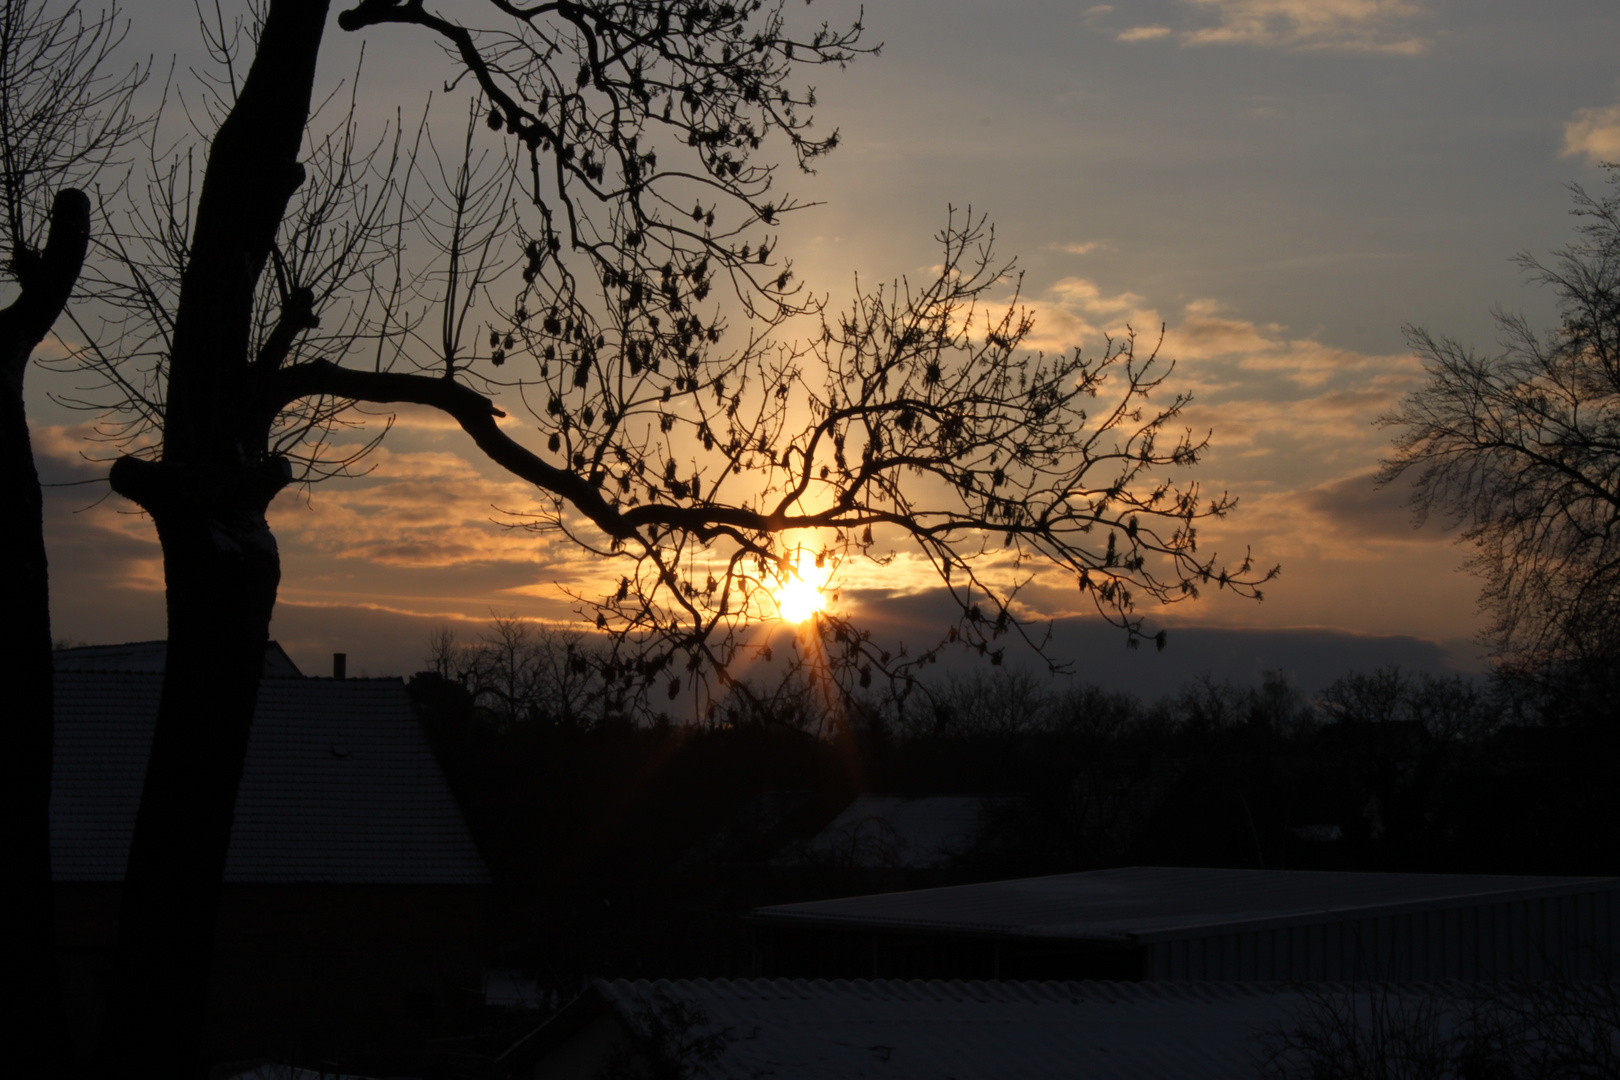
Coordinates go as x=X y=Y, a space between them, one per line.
x=34 y=1021
x=208 y=497
x=222 y=571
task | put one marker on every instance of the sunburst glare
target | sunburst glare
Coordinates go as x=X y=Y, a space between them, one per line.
x=802 y=594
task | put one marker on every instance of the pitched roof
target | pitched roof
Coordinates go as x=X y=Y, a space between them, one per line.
x=150 y=656
x=1148 y=903
x=339 y=785
x=899 y=832
x=808 y=1030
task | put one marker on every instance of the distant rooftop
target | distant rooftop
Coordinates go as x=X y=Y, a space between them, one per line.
x=809 y=1030
x=150 y=656
x=893 y=831
x=339 y=784
x=1145 y=903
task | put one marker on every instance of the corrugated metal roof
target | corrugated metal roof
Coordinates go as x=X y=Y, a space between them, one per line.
x=895 y=831
x=150 y=656
x=810 y=1030
x=1148 y=903
x=339 y=785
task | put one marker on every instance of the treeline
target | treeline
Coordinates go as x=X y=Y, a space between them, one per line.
x=630 y=849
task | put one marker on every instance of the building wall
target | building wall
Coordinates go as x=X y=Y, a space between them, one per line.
x=305 y=970
x=1571 y=936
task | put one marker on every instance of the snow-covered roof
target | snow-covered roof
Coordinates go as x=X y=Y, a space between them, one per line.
x=892 y=831
x=810 y=1030
x=1148 y=903
x=339 y=784
x=150 y=656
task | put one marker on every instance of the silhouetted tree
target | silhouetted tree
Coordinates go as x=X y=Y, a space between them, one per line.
x=1521 y=448
x=916 y=414
x=62 y=116
x=1500 y=1031
x=523 y=672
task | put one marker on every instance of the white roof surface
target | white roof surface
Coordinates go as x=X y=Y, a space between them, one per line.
x=1147 y=903
x=812 y=1030
x=892 y=831
x=339 y=785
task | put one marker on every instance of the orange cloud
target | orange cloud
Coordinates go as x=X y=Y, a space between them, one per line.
x=429 y=508
x=1347 y=25
x=1594 y=134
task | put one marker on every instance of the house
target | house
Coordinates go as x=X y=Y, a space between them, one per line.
x=1164 y=923
x=354 y=896
x=149 y=656
x=810 y=1030
x=891 y=832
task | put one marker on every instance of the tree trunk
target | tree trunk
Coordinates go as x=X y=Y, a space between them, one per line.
x=35 y=1021
x=221 y=571
x=207 y=497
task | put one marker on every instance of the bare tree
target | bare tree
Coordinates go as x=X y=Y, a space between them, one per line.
x=63 y=117
x=228 y=370
x=1521 y=448
x=1373 y=1031
x=689 y=456
x=523 y=672
x=921 y=421
x=1529 y=1030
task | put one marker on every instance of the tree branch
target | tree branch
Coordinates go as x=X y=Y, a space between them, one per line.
x=47 y=278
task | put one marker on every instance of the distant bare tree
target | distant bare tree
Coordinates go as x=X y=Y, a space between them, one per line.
x=1553 y=1028
x=1521 y=449
x=523 y=672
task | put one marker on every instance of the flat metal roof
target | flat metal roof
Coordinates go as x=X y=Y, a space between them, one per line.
x=1146 y=903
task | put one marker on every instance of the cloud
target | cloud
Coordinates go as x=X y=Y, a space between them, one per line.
x=1075 y=249
x=428 y=508
x=423 y=540
x=1310 y=656
x=1354 y=504
x=1144 y=33
x=1594 y=133
x=1349 y=25
x=1289 y=418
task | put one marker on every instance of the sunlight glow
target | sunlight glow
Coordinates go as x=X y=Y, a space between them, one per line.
x=801 y=595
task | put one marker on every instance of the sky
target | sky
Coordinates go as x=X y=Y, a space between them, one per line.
x=1283 y=185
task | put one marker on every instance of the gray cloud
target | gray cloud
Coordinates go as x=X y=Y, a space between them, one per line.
x=1354 y=504
x=1311 y=657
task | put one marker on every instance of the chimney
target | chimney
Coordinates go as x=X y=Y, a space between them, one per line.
x=340 y=665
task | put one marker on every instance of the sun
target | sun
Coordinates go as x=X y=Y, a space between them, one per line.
x=801 y=595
